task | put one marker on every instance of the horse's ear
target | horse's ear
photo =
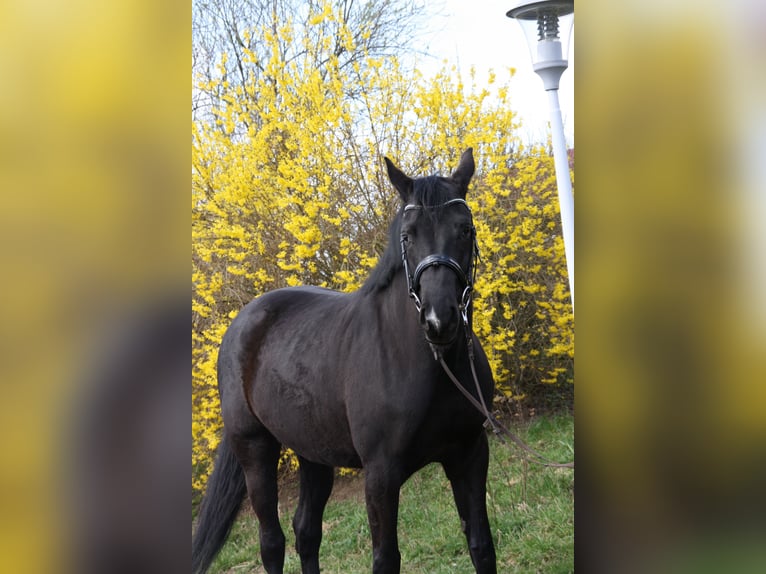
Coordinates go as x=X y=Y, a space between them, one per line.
x=462 y=175
x=402 y=183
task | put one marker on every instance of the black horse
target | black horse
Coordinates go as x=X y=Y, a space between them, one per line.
x=350 y=380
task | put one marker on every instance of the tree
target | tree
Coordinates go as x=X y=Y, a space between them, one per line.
x=246 y=34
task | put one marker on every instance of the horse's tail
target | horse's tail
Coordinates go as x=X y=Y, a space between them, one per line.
x=219 y=508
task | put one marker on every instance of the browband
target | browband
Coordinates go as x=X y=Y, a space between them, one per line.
x=412 y=206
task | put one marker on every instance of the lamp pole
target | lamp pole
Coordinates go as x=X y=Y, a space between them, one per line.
x=541 y=22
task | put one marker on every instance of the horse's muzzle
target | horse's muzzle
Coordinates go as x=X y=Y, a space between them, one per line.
x=441 y=329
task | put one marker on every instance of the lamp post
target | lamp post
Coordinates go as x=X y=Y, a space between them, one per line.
x=547 y=25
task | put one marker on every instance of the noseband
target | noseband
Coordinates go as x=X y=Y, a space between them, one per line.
x=466 y=278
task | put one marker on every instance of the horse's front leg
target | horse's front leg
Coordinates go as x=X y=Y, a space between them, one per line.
x=382 y=485
x=466 y=469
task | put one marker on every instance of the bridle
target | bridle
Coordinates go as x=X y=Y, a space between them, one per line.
x=466 y=278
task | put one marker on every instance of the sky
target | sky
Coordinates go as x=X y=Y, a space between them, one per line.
x=479 y=34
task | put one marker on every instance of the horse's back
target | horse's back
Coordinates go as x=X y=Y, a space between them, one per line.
x=274 y=310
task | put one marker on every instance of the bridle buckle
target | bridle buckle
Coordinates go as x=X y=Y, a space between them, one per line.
x=465 y=302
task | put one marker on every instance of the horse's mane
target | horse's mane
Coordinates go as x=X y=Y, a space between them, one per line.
x=428 y=191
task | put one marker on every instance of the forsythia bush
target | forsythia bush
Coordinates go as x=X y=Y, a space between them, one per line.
x=289 y=188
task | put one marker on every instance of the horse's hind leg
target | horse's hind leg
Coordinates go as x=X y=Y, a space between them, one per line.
x=316 y=485
x=467 y=472
x=259 y=456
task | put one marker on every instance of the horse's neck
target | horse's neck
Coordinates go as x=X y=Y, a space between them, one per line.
x=398 y=313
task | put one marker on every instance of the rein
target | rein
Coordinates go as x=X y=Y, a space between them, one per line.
x=467 y=280
x=500 y=430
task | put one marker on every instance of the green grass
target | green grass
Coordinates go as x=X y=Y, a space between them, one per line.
x=531 y=510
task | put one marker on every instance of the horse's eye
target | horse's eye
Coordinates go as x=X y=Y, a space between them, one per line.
x=465 y=231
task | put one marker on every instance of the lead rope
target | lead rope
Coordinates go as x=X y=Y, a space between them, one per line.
x=498 y=428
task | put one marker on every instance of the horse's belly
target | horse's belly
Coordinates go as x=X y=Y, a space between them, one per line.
x=304 y=420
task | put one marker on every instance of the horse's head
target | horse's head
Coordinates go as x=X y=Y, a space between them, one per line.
x=438 y=242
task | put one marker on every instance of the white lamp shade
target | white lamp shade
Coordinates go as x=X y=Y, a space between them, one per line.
x=547 y=26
